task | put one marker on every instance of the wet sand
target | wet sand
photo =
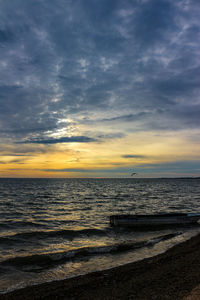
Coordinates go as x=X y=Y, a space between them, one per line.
x=172 y=275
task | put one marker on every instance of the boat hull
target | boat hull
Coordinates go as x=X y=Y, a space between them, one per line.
x=153 y=220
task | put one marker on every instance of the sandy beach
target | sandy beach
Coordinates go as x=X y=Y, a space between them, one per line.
x=171 y=275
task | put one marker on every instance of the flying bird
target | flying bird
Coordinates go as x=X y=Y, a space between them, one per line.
x=133 y=174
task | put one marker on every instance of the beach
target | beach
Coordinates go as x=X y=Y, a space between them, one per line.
x=170 y=275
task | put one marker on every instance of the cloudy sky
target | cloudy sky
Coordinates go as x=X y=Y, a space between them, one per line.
x=99 y=88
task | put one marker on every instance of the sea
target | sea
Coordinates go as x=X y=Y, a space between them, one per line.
x=52 y=229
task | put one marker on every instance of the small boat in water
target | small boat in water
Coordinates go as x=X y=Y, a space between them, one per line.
x=168 y=219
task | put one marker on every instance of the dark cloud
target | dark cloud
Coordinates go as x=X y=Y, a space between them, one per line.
x=73 y=139
x=133 y=61
x=13 y=161
x=109 y=136
x=133 y=156
x=129 y=117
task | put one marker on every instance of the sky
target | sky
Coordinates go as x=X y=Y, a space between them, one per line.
x=99 y=88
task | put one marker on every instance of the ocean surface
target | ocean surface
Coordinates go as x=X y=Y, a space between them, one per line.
x=52 y=229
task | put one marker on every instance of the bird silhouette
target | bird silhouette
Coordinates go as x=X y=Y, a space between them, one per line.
x=133 y=174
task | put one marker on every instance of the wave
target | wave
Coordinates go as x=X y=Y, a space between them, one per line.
x=65 y=233
x=7 y=240
x=17 y=224
x=43 y=261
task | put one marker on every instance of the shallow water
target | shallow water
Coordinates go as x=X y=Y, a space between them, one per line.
x=58 y=228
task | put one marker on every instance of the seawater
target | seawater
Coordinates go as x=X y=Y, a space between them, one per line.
x=52 y=229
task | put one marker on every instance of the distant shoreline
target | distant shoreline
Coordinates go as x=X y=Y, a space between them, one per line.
x=171 y=275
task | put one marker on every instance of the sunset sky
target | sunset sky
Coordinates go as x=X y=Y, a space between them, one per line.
x=99 y=88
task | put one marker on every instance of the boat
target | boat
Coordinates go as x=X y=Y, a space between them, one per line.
x=167 y=219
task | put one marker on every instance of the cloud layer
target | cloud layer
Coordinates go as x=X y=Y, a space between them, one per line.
x=74 y=71
x=73 y=139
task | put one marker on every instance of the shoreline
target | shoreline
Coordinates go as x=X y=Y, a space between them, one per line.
x=170 y=275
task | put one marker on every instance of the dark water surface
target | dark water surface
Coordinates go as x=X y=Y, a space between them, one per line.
x=57 y=228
